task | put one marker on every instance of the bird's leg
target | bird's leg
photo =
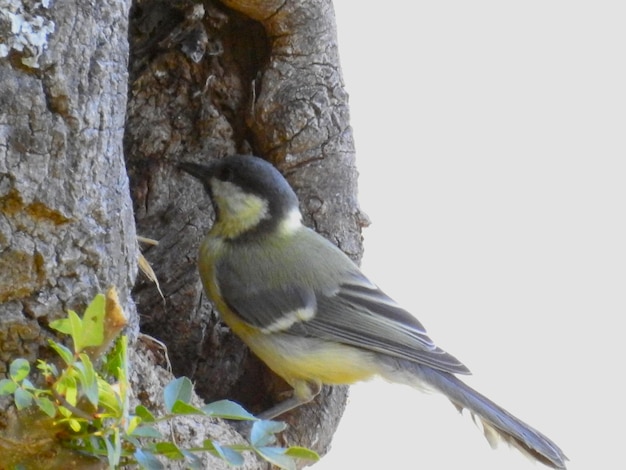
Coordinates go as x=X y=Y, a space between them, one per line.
x=303 y=392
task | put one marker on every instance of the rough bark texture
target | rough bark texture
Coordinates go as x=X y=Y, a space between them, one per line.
x=66 y=222
x=66 y=226
x=208 y=81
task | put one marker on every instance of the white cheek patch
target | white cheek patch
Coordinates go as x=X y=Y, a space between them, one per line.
x=234 y=203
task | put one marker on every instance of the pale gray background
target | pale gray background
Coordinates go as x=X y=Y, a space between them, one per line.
x=491 y=144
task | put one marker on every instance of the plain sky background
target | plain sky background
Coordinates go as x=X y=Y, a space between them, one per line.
x=491 y=142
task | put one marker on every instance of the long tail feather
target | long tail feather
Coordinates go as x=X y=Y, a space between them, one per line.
x=497 y=423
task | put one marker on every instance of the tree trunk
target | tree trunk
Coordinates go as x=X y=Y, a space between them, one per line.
x=66 y=226
x=268 y=82
x=206 y=80
x=66 y=223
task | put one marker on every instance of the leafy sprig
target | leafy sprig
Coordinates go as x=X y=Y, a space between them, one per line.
x=86 y=401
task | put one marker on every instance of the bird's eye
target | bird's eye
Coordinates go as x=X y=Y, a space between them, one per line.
x=226 y=174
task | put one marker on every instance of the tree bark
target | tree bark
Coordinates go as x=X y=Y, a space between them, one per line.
x=206 y=80
x=266 y=81
x=66 y=222
x=66 y=225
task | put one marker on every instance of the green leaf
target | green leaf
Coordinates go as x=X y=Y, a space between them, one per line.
x=114 y=448
x=76 y=330
x=28 y=385
x=169 y=450
x=298 y=452
x=146 y=431
x=67 y=387
x=92 y=333
x=23 y=399
x=88 y=378
x=116 y=358
x=87 y=331
x=63 y=352
x=227 y=409
x=47 y=369
x=227 y=454
x=262 y=433
x=177 y=389
x=71 y=393
x=74 y=424
x=123 y=391
x=193 y=461
x=147 y=460
x=117 y=443
x=276 y=456
x=182 y=408
x=109 y=399
x=145 y=414
x=62 y=325
x=46 y=405
x=19 y=369
x=132 y=423
x=7 y=387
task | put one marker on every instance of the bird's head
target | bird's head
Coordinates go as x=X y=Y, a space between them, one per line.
x=249 y=195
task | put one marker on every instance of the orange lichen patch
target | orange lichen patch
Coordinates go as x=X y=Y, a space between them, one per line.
x=12 y=204
x=20 y=274
x=39 y=211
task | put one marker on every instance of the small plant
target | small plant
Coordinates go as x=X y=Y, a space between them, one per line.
x=84 y=403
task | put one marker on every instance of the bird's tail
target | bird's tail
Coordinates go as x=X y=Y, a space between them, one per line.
x=497 y=423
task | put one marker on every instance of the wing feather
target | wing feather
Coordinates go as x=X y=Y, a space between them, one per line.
x=326 y=297
x=361 y=315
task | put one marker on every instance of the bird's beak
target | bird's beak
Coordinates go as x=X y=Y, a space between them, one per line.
x=202 y=172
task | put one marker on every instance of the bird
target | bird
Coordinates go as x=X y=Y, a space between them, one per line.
x=310 y=314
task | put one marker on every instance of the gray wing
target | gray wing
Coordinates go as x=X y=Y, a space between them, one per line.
x=348 y=309
x=360 y=314
x=271 y=310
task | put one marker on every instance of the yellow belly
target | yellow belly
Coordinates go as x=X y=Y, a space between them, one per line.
x=296 y=359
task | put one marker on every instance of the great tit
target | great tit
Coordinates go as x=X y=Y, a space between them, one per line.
x=307 y=311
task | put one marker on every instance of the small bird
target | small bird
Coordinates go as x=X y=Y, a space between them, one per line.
x=307 y=311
